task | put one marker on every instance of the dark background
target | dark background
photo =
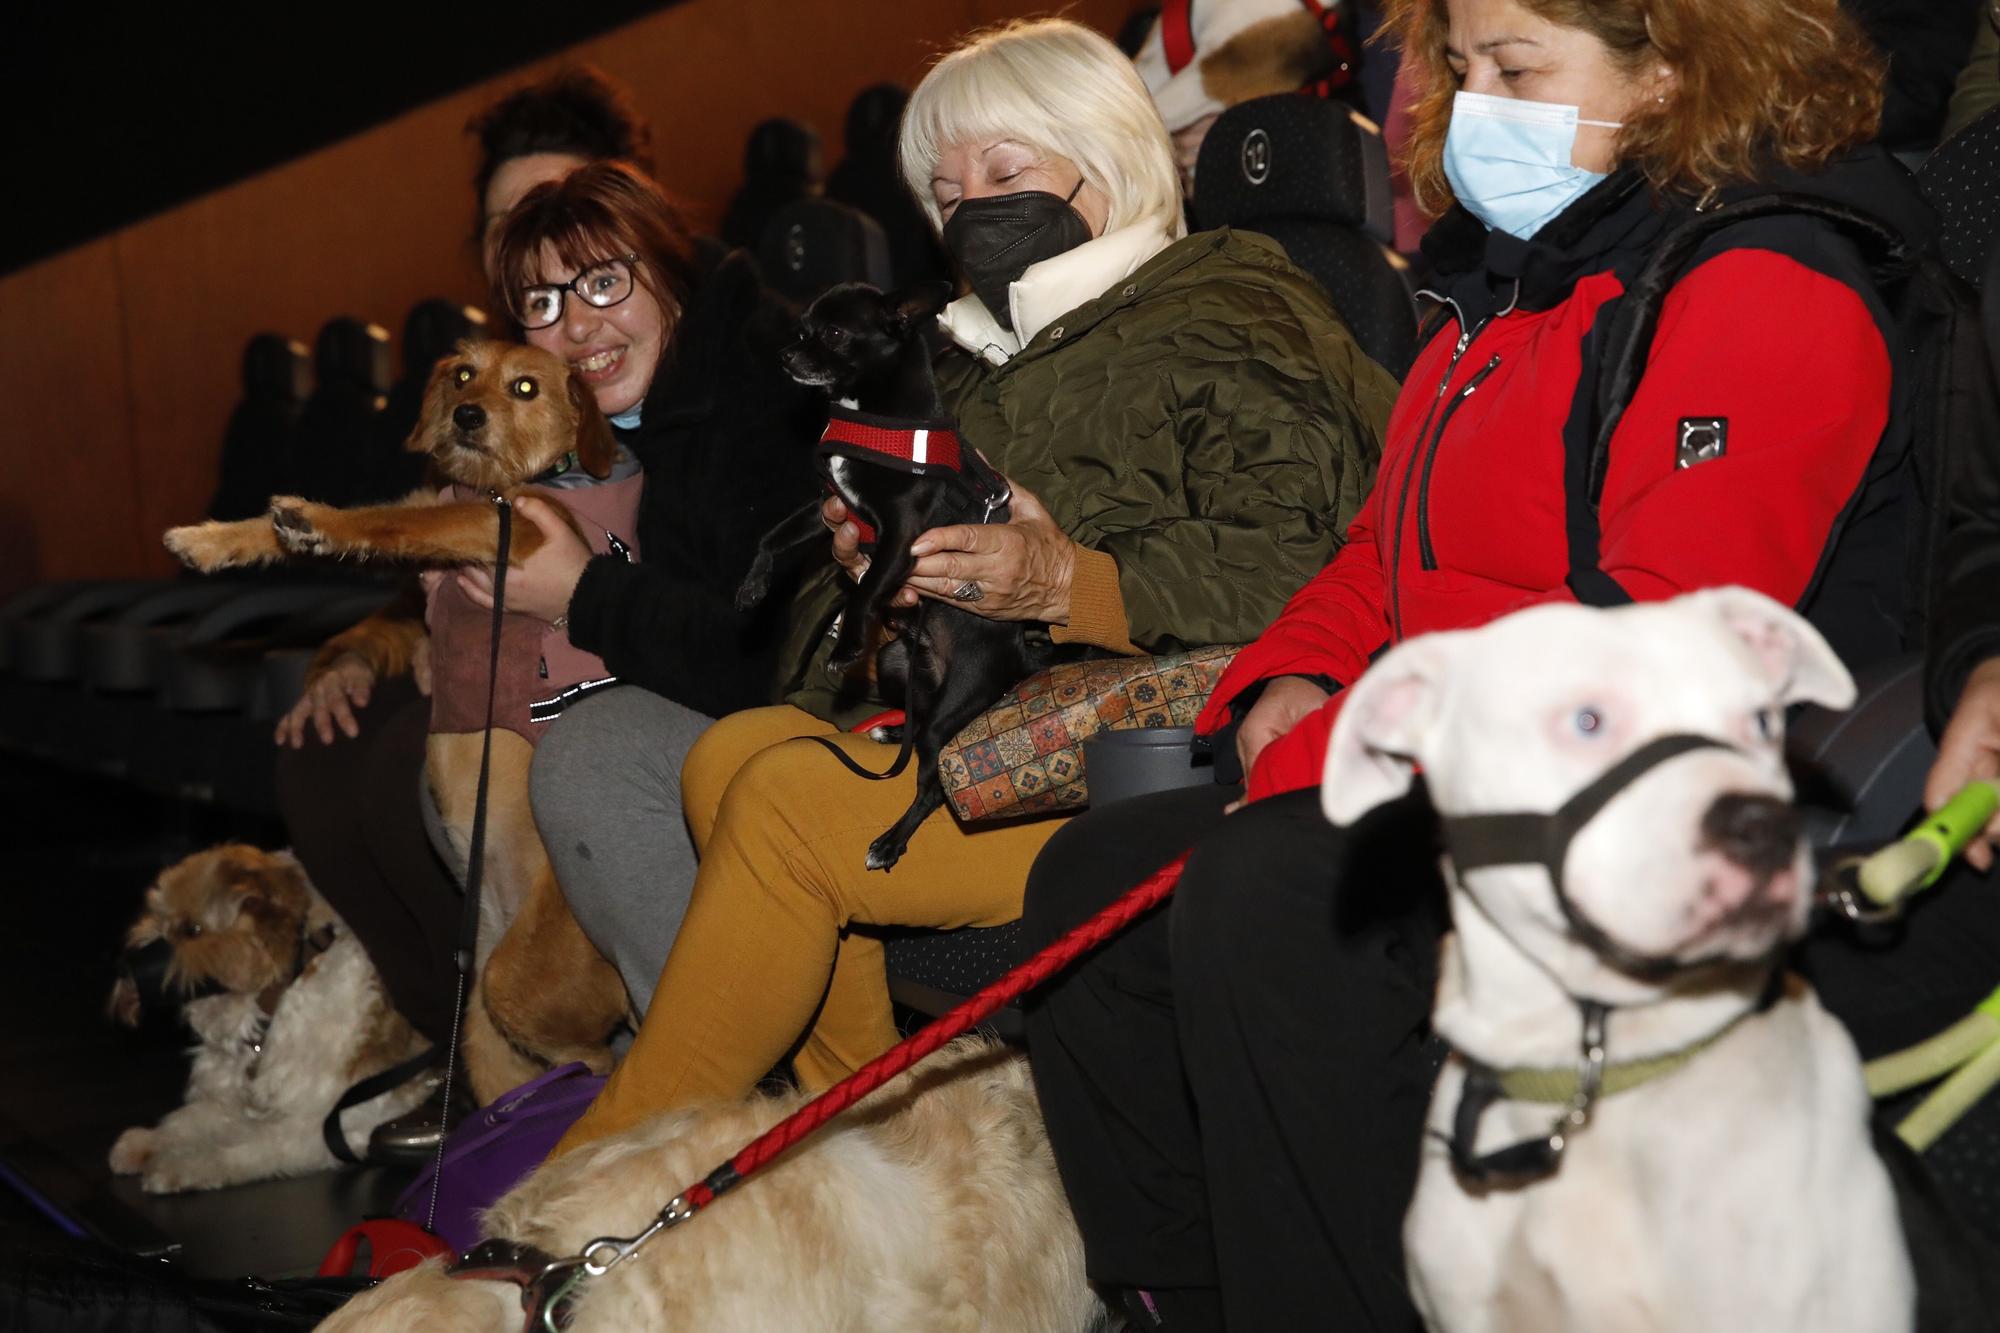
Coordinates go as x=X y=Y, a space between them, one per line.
x=112 y=112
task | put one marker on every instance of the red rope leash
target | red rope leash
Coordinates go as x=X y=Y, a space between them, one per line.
x=1148 y=894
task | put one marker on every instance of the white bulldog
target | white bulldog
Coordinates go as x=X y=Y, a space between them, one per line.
x=1631 y=900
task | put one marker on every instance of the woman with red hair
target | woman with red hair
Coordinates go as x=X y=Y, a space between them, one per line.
x=1629 y=391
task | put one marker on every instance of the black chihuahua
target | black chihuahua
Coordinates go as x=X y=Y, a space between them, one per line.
x=893 y=458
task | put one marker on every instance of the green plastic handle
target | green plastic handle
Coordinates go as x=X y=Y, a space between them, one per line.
x=1954 y=824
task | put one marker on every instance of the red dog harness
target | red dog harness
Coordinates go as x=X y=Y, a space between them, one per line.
x=908 y=444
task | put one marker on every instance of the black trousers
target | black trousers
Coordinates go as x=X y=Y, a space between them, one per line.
x=1236 y=1087
x=352 y=811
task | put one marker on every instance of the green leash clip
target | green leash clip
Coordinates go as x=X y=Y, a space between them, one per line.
x=1921 y=857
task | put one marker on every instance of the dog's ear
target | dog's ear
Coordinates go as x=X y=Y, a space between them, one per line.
x=919 y=302
x=1383 y=723
x=596 y=446
x=1792 y=656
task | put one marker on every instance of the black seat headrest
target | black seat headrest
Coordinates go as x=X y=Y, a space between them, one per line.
x=351 y=356
x=1294 y=157
x=811 y=244
x=433 y=328
x=873 y=118
x=276 y=369
x=782 y=152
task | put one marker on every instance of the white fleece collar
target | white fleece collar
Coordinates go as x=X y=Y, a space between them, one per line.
x=1052 y=288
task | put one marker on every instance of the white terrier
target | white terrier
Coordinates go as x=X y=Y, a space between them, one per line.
x=290 y=1013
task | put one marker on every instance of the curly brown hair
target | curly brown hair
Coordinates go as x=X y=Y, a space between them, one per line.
x=1756 y=81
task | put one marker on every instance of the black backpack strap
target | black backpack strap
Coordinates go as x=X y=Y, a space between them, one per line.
x=1630 y=339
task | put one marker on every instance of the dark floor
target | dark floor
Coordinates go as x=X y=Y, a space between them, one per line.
x=83 y=850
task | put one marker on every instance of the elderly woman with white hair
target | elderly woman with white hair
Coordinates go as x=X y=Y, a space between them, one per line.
x=1187 y=428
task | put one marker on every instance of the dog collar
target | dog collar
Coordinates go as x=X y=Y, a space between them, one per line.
x=1558 y=1087
x=562 y=467
x=920 y=446
x=548 y=1284
x=1576 y=1090
x=310 y=946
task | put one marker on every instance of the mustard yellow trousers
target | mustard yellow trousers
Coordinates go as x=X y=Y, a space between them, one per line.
x=765 y=961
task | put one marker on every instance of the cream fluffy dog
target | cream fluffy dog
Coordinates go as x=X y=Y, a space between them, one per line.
x=300 y=1017
x=934 y=1205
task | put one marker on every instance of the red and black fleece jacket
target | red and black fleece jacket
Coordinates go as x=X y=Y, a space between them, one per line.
x=1761 y=446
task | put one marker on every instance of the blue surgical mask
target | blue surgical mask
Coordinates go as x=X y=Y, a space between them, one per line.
x=1508 y=160
x=629 y=419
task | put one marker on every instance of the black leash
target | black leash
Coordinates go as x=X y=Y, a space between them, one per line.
x=902 y=760
x=468 y=922
x=395 y=1076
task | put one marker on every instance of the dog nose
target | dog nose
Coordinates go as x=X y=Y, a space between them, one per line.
x=468 y=416
x=1759 y=833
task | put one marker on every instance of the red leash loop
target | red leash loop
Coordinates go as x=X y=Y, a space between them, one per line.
x=770 y=1145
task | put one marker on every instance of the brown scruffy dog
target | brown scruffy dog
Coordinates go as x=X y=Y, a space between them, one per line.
x=934 y=1205
x=289 y=1011
x=499 y=419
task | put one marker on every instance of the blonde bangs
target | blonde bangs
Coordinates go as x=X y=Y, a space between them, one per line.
x=1060 y=89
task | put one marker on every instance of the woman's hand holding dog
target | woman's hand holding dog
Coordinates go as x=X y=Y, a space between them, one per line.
x=542 y=584
x=1023 y=567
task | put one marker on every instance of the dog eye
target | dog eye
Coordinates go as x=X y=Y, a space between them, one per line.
x=187 y=930
x=1588 y=722
x=524 y=388
x=463 y=374
x=837 y=337
x=1770 y=724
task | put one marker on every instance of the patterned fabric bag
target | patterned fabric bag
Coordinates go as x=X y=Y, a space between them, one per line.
x=1024 y=755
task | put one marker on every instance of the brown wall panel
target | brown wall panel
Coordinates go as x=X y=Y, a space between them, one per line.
x=68 y=487
x=119 y=360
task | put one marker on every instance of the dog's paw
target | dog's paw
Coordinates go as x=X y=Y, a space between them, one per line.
x=179 y=1172
x=133 y=1150
x=884 y=852
x=208 y=547
x=889 y=735
x=291 y=519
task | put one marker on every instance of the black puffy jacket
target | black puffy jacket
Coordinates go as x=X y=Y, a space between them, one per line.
x=726 y=440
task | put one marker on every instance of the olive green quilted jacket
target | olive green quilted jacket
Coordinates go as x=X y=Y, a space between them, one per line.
x=1209 y=423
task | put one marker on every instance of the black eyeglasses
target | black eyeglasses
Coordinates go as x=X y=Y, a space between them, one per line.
x=602 y=285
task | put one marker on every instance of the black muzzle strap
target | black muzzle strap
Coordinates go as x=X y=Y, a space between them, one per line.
x=1534 y=838
x=147 y=968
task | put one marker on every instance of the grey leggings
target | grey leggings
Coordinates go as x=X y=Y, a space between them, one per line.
x=606 y=791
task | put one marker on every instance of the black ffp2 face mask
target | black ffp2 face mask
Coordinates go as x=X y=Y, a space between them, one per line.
x=995 y=239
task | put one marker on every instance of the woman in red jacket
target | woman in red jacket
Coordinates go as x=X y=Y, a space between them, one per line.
x=1235 y=1089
